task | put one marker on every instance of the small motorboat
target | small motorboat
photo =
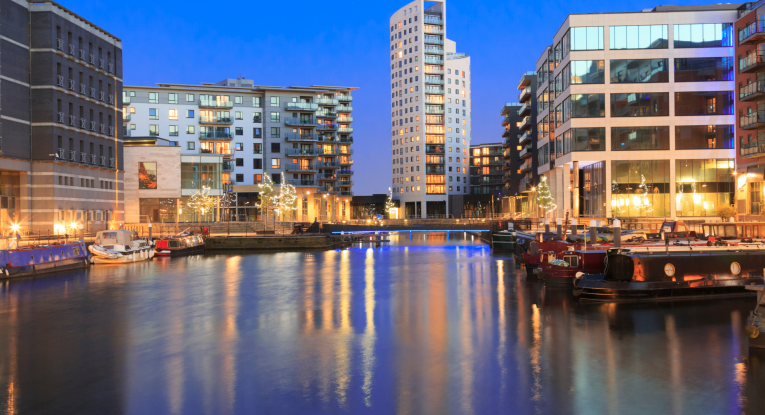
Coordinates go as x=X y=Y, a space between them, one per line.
x=180 y=245
x=119 y=247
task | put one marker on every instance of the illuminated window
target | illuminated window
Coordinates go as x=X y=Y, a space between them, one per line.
x=172 y=114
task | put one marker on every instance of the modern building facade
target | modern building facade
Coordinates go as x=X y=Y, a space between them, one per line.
x=640 y=113
x=430 y=111
x=232 y=134
x=487 y=169
x=750 y=109
x=60 y=150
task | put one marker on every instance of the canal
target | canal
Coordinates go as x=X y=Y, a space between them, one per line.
x=428 y=324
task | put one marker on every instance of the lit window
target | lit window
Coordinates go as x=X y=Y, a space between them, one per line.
x=172 y=114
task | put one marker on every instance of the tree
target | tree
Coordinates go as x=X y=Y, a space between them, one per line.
x=202 y=202
x=544 y=197
x=287 y=199
x=267 y=195
x=389 y=206
x=725 y=212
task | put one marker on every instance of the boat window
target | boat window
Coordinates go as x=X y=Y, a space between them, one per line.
x=730 y=231
x=755 y=234
x=173 y=244
x=748 y=231
x=709 y=231
x=573 y=261
x=740 y=231
x=681 y=228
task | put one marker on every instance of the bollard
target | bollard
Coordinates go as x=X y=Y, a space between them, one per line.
x=547 y=225
x=559 y=227
x=573 y=226
x=593 y=231
x=149 y=233
x=617 y=233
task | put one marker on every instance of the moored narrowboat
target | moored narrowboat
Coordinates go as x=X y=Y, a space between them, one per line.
x=180 y=245
x=674 y=272
x=40 y=259
x=559 y=270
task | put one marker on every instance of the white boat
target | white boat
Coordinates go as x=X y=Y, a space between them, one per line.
x=119 y=247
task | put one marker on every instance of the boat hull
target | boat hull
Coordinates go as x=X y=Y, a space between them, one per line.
x=44 y=260
x=138 y=255
x=179 y=252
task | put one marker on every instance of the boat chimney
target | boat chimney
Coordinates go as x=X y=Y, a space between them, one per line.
x=573 y=226
x=593 y=231
x=617 y=233
x=547 y=225
x=559 y=227
x=731 y=219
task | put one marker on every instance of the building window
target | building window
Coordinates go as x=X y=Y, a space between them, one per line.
x=172 y=99
x=704 y=103
x=275 y=147
x=650 y=104
x=274 y=132
x=275 y=116
x=275 y=102
x=189 y=97
x=638 y=37
x=147 y=175
x=153 y=114
x=239 y=162
x=629 y=71
x=239 y=115
x=239 y=147
x=707 y=35
x=276 y=163
x=257 y=148
x=190 y=145
x=691 y=137
x=239 y=130
x=276 y=178
x=190 y=114
x=257 y=133
x=153 y=129
x=173 y=131
x=257 y=117
x=258 y=178
x=239 y=178
x=153 y=98
x=172 y=114
x=703 y=186
x=237 y=99
x=256 y=102
x=189 y=129
x=703 y=69
x=639 y=138
x=257 y=164
x=640 y=188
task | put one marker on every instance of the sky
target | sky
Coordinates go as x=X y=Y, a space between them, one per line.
x=340 y=42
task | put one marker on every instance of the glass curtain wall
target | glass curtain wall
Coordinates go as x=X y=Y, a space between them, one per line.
x=703 y=186
x=630 y=71
x=639 y=188
x=690 y=137
x=592 y=181
x=649 y=104
x=639 y=138
x=704 y=103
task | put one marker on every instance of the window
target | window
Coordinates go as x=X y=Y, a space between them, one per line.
x=274 y=132
x=172 y=115
x=258 y=178
x=189 y=113
x=640 y=187
x=579 y=139
x=173 y=131
x=276 y=163
x=638 y=37
x=239 y=115
x=153 y=129
x=239 y=162
x=704 y=103
x=257 y=148
x=585 y=38
x=275 y=116
x=705 y=35
x=256 y=102
x=276 y=148
x=639 y=138
x=189 y=97
x=703 y=186
x=276 y=178
x=585 y=106
x=190 y=129
x=257 y=133
x=627 y=71
x=239 y=147
x=584 y=72
x=239 y=177
x=703 y=69
x=237 y=100
x=172 y=98
x=257 y=164
x=275 y=102
x=239 y=130
x=153 y=114
x=147 y=175
x=649 y=104
x=153 y=98
x=257 y=117
x=190 y=145
x=690 y=137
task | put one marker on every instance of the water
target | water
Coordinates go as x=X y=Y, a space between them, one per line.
x=431 y=325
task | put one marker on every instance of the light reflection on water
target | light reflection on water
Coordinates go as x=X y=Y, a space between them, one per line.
x=430 y=323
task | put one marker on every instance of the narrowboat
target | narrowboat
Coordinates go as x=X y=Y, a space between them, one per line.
x=179 y=245
x=40 y=259
x=119 y=247
x=735 y=232
x=503 y=241
x=559 y=270
x=674 y=272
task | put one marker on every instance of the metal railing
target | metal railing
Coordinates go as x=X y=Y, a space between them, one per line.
x=301 y=106
x=215 y=104
x=752 y=119
x=745 y=91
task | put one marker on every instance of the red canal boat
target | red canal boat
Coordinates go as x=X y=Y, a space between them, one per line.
x=179 y=245
x=559 y=270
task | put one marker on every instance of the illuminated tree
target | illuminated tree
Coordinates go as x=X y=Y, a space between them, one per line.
x=389 y=206
x=544 y=197
x=287 y=198
x=202 y=202
x=268 y=197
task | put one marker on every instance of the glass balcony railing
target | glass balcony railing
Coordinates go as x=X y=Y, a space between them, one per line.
x=752 y=32
x=345 y=172
x=206 y=103
x=344 y=108
x=297 y=167
x=126 y=117
x=216 y=120
x=752 y=120
x=310 y=151
x=432 y=90
x=434 y=50
x=301 y=122
x=326 y=101
x=347 y=130
x=301 y=106
x=328 y=126
x=525 y=93
x=211 y=135
x=433 y=20
x=302 y=182
x=752 y=62
x=434 y=59
x=344 y=98
x=326 y=114
x=748 y=91
x=300 y=137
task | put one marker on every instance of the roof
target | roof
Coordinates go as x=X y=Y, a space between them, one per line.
x=75 y=15
x=255 y=88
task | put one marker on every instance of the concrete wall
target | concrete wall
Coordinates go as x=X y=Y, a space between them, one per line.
x=168 y=161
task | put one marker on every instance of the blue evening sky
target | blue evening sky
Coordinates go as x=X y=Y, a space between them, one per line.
x=339 y=42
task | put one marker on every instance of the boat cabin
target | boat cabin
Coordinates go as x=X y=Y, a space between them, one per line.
x=734 y=230
x=117 y=238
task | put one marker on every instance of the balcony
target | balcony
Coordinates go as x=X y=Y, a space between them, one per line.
x=300 y=122
x=752 y=149
x=433 y=70
x=345 y=172
x=216 y=151
x=345 y=130
x=111 y=162
x=328 y=126
x=433 y=40
x=525 y=153
x=525 y=166
x=525 y=138
x=327 y=189
x=434 y=90
x=346 y=193
x=345 y=161
x=126 y=117
x=346 y=150
x=751 y=63
x=326 y=165
x=227 y=166
x=434 y=110
x=206 y=103
x=125 y=99
x=434 y=169
x=297 y=137
x=326 y=176
x=525 y=123
x=433 y=20
x=346 y=139
x=301 y=152
x=434 y=60
x=302 y=182
x=346 y=182
x=84 y=91
x=752 y=34
x=302 y=106
x=93 y=159
x=752 y=121
x=344 y=98
x=344 y=108
x=326 y=114
x=297 y=168
x=524 y=94
x=326 y=101
x=525 y=109
x=215 y=135
x=327 y=137
x=345 y=119
x=430 y=30
x=434 y=100
x=328 y=151
x=526 y=79
x=216 y=120
x=434 y=149
x=434 y=80
x=754 y=91
x=434 y=50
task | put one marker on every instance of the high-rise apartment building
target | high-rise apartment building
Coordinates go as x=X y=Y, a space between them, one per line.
x=233 y=133
x=430 y=111
x=640 y=112
x=750 y=109
x=487 y=169
x=60 y=150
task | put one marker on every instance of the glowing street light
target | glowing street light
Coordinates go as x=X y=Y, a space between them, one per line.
x=15 y=227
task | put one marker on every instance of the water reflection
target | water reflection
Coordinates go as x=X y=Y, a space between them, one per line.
x=430 y=323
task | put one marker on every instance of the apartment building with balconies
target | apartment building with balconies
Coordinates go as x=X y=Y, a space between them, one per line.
x=750 y=109
x=233 y=133
x=430 y=111
x=60 y=150
x=640 y=113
